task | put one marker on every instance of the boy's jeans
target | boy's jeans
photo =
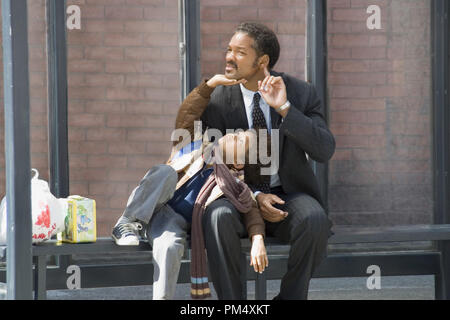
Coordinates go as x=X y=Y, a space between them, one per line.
x=166 y=230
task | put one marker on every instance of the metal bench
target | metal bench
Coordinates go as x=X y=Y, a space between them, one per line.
x=416 y=262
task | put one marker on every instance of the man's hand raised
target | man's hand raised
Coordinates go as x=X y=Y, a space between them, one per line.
x=222 y=80
x=268 y=211
x=273 y=90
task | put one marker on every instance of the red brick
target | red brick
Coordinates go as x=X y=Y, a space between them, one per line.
x=86 y=93
x=104 y=80
x=238 y=13
x=291 y=28
x=124 y=67
x=81 y=38
x=77 y=161
x=91 y=174
x=209 y=13
x=369 y=154
x=127 y=175
x=352 y=141
x=218 y=28
x=348 y=117
x=87 y=120
x=338 y=3
x=87 y=147
x=124 y=12
x=148 y=2
x=128 y=120
x=367 y=129
x=161 y=13
x=369 y=53
x=79 y=187
x=106 y=134
x=357 y=79
x=127 y=148
x=104 y=107
x=281 y=14
x=107 y=161
x=161 y=39
x=345 y=154
x=349 y=66
x=139 y=80
x=340 y=128
x=102 y=26
x=123 y=39
x=350 y=91
x=104 y=53
x=125 y=94
x=144 y=134
x=144 y=108
x=111 y=189
x=143 y=53
x=144 y=26
x=143 y=162
x=350 y=14
x=350 y=40
x=91 y=12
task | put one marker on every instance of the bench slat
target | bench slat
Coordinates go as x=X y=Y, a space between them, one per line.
x=390 y=234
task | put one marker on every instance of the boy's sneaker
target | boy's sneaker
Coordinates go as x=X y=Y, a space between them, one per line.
x=127 y=234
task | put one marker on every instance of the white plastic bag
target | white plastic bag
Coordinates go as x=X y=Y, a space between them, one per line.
x=47 y=215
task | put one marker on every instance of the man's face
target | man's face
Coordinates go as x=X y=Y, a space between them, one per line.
x=241 y=58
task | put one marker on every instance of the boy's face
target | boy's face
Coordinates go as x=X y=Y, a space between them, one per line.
x=234 y=147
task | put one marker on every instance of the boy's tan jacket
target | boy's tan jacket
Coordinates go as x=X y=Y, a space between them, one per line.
x=189 y=164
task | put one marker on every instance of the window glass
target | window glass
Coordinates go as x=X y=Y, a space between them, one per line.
x=379 y=77
x=123 y=77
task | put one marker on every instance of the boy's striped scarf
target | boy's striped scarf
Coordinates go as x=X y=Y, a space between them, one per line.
x=239 y=195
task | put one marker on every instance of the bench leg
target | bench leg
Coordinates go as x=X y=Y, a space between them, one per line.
x=442 y=281
x=261 y=286
x=40 y=278
x=244 y=276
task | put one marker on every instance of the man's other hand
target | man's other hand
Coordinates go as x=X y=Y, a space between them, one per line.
x=273 y=90
x=268 y=211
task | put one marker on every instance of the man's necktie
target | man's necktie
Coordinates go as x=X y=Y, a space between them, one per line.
x=259 y=122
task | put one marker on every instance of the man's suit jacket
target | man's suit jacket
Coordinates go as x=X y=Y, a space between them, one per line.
x=303 y=130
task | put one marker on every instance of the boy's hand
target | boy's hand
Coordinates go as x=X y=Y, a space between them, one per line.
x=222 y=80
x=258 y=254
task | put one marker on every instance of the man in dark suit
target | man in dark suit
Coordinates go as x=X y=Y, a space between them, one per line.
x=289 y=199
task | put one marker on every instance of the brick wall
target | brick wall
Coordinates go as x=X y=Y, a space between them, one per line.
x=380 y=101
x=220 y=18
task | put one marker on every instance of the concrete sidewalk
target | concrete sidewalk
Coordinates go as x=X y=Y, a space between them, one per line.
x=392 y=288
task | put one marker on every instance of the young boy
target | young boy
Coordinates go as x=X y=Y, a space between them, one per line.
x=163 y=206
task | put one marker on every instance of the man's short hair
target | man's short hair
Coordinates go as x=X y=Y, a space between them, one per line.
x=266 y=42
